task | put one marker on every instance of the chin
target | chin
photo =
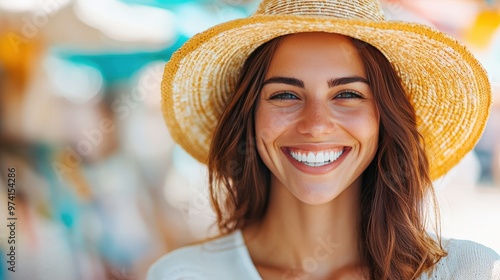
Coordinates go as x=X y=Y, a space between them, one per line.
x=317 y=194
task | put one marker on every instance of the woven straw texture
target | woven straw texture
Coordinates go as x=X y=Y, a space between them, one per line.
x=445 y=83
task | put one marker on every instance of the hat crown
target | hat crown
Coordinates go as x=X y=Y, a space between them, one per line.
x=345 y=9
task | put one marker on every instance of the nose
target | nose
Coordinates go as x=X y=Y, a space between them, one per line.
x=316 y=119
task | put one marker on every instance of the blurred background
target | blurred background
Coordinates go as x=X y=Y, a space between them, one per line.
x=101 y=189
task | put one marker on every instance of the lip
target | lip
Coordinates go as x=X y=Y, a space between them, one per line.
x=315 y=170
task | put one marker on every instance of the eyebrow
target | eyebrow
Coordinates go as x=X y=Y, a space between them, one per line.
x=284 y=80
x=331 y=83
x=347 y=80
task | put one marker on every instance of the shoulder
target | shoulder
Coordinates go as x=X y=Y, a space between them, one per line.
x=215 y=259
x=467 y=260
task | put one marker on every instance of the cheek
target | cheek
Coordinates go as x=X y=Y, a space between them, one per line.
x=370 y=131
x=367 y=127
x=269 y=124
x=364 y=126
x=266 y=132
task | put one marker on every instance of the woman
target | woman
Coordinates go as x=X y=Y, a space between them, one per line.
x=326 y=125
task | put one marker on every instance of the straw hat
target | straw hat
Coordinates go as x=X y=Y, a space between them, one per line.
x=445 y=83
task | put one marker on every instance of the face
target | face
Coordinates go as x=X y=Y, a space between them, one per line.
x=316 y=122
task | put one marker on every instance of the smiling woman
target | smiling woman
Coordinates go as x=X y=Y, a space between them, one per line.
x=328 y=109
x=328 y=133
x=321 y=94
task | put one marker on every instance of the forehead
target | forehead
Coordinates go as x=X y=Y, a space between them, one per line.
x=317 y=51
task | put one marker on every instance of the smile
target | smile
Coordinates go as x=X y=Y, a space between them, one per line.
x=316 y=159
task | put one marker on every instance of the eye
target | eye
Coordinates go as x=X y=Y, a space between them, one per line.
x=283 y=96
x=348 y=95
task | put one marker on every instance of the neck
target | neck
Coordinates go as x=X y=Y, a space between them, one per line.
x=317 y=239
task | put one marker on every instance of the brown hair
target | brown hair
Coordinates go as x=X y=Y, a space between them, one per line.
x=393 y=240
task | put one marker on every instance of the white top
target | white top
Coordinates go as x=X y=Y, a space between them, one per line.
x=227 y=257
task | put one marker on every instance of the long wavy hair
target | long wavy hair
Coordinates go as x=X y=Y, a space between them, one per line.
x=393 y=238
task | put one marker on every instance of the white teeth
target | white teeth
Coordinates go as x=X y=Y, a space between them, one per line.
x=310 y=157
x=319 y=159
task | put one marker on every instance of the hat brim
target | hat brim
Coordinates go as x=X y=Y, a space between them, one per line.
x=445 y=83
